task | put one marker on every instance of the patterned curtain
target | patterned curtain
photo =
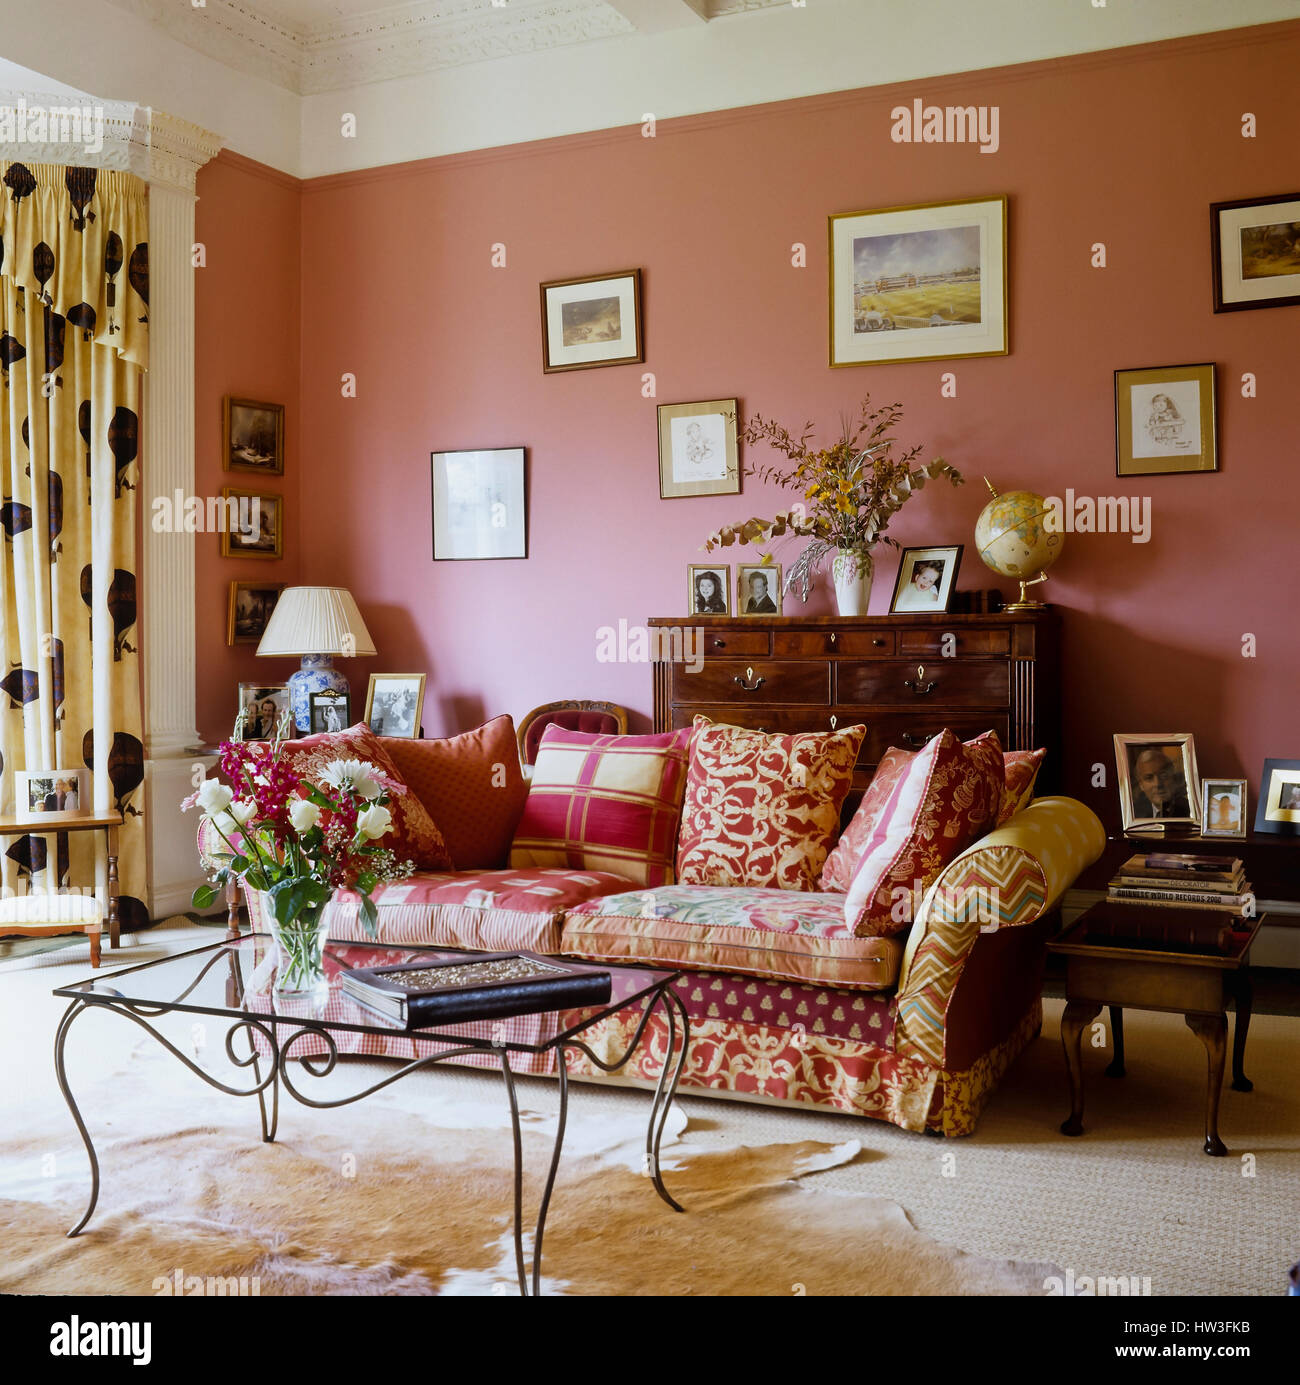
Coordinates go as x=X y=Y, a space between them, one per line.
x=74 y=312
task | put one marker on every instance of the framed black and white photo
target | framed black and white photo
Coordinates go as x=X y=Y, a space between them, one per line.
x=1223 y=807
x=251 y=604
x=1165 y=420
x=1158 y=783
x=925 y=580
x=42 y=793
x=758 y=589
x=395 y=703
x=698 y=454
x=254 y=436
x=330 y=711
x=480 y=504
x=1256 y=252
x=263 y=712
x=592 y=321
x=1278 y=809
x=709 y=589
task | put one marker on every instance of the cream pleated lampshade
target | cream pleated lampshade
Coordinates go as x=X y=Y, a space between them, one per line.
x=316 y=620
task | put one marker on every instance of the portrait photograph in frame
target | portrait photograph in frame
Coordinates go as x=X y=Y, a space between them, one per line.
x=264 y=708
x=758 y=589
x=46 y=792
x=592 y=321
x=265 y=537
x=926 y=577
x=1166 y=420
x=253 y=436
x=698 y=453
x=708 y=589
x=395 y=704
x=250 y=607
x=1278 y=809
x=480 y=504
x=330 y=711
x=1158 y=783
x=1255 y=247
x=1223 y=807
x=919 y=283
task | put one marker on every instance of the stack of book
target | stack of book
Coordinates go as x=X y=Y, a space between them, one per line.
x=1172 y=881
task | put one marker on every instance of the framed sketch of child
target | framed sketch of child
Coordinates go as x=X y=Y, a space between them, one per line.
x=1223 y=807
x=1166 y=419
x=394 y=704
x=925 y=580
x=1158 y=782
x=697 y=449
x=708 y=589
x=330 y=711
x=42 y=793
x=758 y=589
x=1278 y=809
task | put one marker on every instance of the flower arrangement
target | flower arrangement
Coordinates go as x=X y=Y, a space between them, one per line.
x=849 y=492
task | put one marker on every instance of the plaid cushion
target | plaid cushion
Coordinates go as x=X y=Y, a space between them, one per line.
x=604 y=803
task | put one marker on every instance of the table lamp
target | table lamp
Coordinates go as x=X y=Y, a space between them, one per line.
x=316 y=623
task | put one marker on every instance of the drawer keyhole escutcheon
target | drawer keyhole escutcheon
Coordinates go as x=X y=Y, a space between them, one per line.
x=749 y=683
x=835 y=634
x=917 y=685
x=834 y=722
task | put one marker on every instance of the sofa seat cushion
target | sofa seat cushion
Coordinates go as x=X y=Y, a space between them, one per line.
x=785 y=934
x=489 y=910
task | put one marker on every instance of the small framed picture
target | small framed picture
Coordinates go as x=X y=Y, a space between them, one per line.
x=708 y=589
x=254 y=436
x=43 y=793
x=1223 y=807
x=253 y=525
x=697 y=449
x=1278 y=809
x=1158 y=784
x=330 y=711
x=592 y=322
x=926 y=577
x=1256 y=252
x=480 y=504
x=263 y=712
x=1165 y=420
x=251 y=604
x=394 y=704
x=758 y=589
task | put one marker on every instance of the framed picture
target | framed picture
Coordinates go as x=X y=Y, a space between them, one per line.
x=1278 y=809
x=42 y=793
x=758 y=589
x=920 y=283
x=394 y=704
x=480 y=504
x=330 y=711
x=254 y=436
x=1158 y=783
x=1256 y=252
x=708 y=589
x=697 y=449
x=1165 y=420
x=259 y=528
x=263 y=712
x=926 y=577
x=251 y=604
x=592 y=321
x=1223 y=807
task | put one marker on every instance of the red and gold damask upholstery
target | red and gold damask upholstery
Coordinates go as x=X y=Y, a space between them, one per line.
x=1020 y=768
x=763 y=810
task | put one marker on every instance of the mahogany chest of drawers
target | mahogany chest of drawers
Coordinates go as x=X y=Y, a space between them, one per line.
x=906 y=677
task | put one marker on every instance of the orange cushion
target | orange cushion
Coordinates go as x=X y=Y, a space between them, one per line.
x=472 y=786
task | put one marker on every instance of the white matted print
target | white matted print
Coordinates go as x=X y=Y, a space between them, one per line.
x=697 y=449
x=1166 y=418
x=479 y=504
x=591 y=322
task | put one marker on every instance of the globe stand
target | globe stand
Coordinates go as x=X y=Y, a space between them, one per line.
x=1024 y=604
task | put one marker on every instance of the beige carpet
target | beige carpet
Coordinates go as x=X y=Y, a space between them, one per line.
x=778 y=1198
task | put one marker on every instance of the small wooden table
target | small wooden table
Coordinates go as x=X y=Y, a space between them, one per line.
x=1192 y=980
x=57 y=824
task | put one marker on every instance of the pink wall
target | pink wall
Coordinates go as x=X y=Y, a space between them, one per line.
x=1128 y=148
x=248 y=311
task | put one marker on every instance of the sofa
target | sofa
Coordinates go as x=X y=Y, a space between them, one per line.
x=786 y=1003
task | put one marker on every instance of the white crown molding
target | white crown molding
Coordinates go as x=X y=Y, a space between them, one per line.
x=177 y=150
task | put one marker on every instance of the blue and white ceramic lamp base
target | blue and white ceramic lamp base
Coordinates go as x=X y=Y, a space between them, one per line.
x=317 y=674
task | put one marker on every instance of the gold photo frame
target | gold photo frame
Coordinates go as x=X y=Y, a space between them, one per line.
x=765 y=602
x=252 y=436
x=716 y=602
x=249 y=609
x=269 y=540
x=1158 y=783
x=1223 y=807
x=1166 y=420
x=698 y=449
x=395 y=704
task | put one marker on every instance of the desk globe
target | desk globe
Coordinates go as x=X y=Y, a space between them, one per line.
x=1015 y=540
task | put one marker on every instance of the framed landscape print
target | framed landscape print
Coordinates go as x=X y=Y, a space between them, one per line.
x=395 y=703
x=592 y=321
x=1166 y=420
x=479 y=504
x=1278 y=809
x=1223 y=807
x=254 y=436
x=697 y=449
x=263 y=712
x=1158 y=784
x=1256 y=252
x=708 y=589
x=264 y=535
x=758 y=589
x=920 y=283
x=330 y=711
x=251 y=604
x=925 y=579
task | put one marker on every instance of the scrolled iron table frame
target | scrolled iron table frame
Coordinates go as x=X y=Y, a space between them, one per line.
x=254 y=1024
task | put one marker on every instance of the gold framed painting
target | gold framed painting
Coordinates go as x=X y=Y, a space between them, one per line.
x=592 y=321
x=708 y=589
x=1158 y=783
x=1166 y=420
x=926 y=282
x=1256 y=252
x=698 y=453
x=1223 y=807
x=252 y=524
x=395 y=704
x=250 y=607
x=1278 y=809
x=253 y=436
x=758 y=589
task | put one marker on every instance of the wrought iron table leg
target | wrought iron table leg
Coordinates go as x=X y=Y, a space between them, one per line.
x=666 y=1090
x=519 y=1172
x=60 y=1039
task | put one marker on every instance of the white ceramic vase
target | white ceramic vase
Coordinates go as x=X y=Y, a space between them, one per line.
x=852 y=570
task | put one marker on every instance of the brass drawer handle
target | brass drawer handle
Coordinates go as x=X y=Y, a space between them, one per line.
x=915 y=686
x=878 y=643
x=719 y=644
x=749 y=682
x=912 y=739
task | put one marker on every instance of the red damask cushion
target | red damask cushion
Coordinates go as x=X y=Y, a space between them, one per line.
x=837 y=873
x=414 y=835
x=1020 y=768
x=763 y=810
x=948 y=797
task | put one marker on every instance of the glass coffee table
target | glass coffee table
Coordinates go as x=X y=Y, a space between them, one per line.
x=231 y=981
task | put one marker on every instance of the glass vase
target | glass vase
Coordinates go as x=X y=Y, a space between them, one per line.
x=300 y=953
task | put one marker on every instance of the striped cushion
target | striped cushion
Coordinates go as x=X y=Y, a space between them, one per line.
x=604 y=803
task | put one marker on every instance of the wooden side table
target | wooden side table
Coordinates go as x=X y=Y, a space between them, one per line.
x=1184 y=979
x=56 y=825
